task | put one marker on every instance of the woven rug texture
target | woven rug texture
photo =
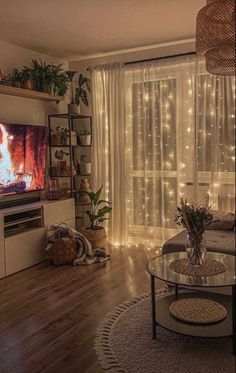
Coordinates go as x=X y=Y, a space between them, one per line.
x=124 y=343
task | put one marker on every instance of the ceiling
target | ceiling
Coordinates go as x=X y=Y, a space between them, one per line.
x=68 y=28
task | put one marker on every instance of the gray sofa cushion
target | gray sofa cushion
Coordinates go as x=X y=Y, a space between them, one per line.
x=222 y=241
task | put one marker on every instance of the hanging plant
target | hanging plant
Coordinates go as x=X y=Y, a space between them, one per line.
x=81 y=91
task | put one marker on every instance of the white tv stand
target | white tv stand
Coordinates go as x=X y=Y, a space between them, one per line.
x=23 y=232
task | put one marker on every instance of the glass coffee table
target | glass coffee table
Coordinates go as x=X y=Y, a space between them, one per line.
x=158 y=267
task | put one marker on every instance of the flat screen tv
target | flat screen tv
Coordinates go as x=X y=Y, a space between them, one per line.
x=22 y=158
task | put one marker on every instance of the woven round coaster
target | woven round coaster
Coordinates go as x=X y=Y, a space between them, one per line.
x=209 y=268
x=197 y=310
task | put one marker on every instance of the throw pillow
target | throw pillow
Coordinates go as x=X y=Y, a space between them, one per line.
x=222 y=220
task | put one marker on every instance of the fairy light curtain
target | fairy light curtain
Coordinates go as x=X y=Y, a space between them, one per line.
x=162 y=131
x=180 y=137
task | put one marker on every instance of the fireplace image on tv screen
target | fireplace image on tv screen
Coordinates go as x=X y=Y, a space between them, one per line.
x=22 y=158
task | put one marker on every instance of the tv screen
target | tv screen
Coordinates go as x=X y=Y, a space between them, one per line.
x=22 y=158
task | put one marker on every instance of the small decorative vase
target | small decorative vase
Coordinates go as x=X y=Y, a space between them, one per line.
x=195 y=246
x=55 y=140
x=83 y=198
x=53 y=189
x=64 y=140
x=73 y=109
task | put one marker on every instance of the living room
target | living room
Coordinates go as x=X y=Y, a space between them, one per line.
x=117 y=186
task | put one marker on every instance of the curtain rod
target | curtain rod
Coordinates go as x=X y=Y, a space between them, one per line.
x=160 y=58
x=156 y=58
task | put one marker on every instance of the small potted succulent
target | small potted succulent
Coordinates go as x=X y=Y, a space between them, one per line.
x=99 y=208
x=80 y=93
x=85 y=137
x=84 y=167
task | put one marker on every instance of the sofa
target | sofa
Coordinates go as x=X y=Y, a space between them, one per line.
x=221 y=241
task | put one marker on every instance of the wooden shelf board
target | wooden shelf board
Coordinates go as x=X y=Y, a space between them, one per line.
x=28 y=93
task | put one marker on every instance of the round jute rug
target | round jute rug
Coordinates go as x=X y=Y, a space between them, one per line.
x=124 y=344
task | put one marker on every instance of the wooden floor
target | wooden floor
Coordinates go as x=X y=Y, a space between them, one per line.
x=48 y=315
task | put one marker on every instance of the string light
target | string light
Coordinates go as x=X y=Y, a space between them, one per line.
x=151 y=148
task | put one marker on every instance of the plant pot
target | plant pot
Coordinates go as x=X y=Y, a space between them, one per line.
x=29 y=84
x=85 y=140
x=85 y=168
x=55 y=140
x=18 y=84
x=73 y=109
x=97 y=237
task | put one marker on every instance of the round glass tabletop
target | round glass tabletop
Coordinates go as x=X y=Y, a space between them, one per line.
x=159 y=268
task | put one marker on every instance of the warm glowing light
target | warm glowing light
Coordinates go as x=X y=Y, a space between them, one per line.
x=8 y=175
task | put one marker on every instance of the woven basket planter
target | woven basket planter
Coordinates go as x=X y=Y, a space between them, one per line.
x=97 y=237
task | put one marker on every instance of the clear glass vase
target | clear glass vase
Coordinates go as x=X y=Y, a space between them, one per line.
x=195 y=246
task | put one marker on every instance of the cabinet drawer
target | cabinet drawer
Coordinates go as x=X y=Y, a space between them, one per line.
x=24 y=250
x=59 y=211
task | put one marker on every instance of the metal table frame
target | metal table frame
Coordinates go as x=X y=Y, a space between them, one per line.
x=155 y=308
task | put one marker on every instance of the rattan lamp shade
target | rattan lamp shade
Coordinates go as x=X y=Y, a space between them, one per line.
x=215 y=36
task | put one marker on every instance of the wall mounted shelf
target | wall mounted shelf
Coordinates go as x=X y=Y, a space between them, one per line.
x=28 y=93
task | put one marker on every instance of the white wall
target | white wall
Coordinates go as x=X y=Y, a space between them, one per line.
x=136 y=54
x=18 y=109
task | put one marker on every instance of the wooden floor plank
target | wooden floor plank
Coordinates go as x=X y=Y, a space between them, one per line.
x=48 y=315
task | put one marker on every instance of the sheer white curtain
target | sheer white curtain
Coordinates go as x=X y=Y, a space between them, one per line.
x=162 y=131
x=179 y=143
x=109 y=145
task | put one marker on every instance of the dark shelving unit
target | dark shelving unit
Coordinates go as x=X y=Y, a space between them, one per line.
x=72 y=122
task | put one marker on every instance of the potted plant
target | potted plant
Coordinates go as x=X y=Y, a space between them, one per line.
x=84 y=167
x=85 y=137
x=47 y=78
x=27 y=78
x=17 y=77
x=80 y=93
x=99 y=208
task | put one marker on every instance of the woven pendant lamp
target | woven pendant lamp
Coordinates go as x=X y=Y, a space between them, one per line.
x=215 y=36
